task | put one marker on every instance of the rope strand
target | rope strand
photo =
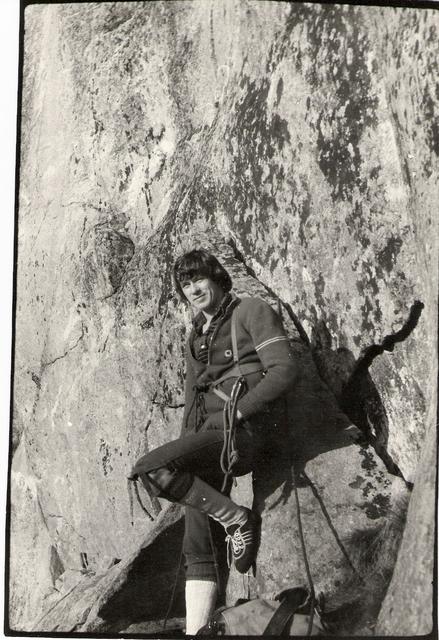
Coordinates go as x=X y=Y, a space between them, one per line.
x=305 y=556
x=174 y=588
x=142 y=506
x=229 y=452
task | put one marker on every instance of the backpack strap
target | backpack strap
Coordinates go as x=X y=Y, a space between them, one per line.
x=291 y=601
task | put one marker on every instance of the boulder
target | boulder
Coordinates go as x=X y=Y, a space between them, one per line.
x=133 y=590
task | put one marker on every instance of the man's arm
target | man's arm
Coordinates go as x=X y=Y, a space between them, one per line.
x=272 y=345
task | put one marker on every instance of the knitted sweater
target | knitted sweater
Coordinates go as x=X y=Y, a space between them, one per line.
x=261 y=339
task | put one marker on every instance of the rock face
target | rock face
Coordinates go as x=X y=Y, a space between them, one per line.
x=300 y=143
x=412 y=581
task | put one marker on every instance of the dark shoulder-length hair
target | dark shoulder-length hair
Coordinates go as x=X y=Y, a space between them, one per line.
x=199 y=262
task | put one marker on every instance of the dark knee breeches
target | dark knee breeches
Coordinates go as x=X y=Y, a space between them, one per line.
x=169 y=470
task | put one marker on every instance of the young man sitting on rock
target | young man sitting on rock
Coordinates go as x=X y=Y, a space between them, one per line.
x=239 y=368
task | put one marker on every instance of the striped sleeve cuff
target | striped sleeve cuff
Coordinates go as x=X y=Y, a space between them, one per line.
x=260 y=346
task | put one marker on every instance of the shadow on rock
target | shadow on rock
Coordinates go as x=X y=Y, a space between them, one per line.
x=352 y=385
x=316 y=425
x=147 y=591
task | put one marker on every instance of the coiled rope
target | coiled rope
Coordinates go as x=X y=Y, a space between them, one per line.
x=229 y=452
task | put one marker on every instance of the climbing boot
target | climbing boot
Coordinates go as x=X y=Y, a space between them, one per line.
x=205 y=498
x=243 y=542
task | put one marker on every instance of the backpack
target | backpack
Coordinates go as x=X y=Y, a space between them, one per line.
x=290 y=614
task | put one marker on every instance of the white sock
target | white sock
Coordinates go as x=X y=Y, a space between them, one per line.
x=200 y=604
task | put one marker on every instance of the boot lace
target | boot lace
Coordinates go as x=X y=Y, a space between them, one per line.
x=236 y=544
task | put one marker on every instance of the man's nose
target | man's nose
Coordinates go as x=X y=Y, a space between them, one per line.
x=194 y=287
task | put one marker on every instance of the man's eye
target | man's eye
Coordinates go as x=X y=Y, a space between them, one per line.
x=184 y=285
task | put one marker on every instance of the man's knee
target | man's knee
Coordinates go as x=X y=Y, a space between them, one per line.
x=197 y=569
x=169 y=484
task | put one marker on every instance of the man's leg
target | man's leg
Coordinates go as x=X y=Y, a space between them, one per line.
x=198 y=453
x=200 y=598
x=188 y=471
x=201 y=575
x=178 y=471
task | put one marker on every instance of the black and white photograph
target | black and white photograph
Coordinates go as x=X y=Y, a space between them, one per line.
x=223 y=412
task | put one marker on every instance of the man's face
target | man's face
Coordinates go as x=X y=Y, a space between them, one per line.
x=202 y=293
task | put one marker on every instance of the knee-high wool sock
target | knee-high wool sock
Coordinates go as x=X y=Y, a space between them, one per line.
x=200 y=603
x=205 y=498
